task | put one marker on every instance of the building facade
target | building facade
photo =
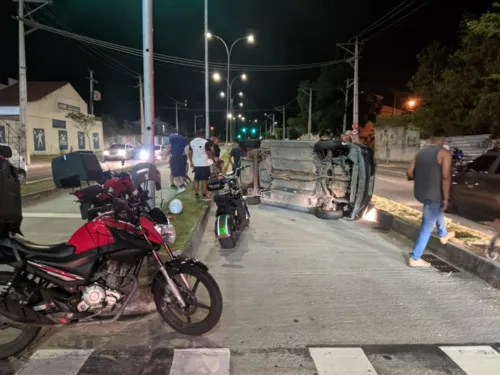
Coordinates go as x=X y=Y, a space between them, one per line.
x=48 y=130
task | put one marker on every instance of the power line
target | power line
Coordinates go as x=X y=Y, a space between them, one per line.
x=397 y=21
x=178 y=60
x=384 y=18
x=93 y=51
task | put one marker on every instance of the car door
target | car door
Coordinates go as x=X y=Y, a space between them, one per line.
x=472 y=190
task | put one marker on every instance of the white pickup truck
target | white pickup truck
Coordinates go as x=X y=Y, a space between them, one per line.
x=17 y=161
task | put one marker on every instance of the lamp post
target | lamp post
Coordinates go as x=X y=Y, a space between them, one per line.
x=250 y=39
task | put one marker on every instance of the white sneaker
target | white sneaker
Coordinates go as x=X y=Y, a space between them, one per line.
x=181 y=190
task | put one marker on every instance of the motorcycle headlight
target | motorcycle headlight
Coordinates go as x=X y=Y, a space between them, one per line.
x=144 y=155
x=167 y=233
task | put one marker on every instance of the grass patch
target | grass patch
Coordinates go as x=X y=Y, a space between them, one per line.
x=37 y=187
x=469 y=238
x=185 y=223
x=40 y=186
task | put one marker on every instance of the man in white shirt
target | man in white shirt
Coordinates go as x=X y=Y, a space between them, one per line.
x=200 y=158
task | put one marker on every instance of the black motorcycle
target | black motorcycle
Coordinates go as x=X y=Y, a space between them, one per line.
x=232 y=209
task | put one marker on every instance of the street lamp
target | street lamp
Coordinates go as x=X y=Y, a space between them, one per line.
x=241 y=104
x=255 y=120
x=239 y=115
x=229 y=115
x=240 y=94
x=411 y=103
x=244 y=77
x=251 y=40
x=222 y=95
x=217 y=77
x=242 y=118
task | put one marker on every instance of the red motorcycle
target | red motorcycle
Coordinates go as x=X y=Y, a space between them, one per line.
x=95 y=273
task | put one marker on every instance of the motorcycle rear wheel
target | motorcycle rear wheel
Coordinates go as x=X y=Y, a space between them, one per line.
x=27 y=335
x=168 y=310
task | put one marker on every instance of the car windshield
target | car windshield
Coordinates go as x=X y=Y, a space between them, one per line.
x=117 y=146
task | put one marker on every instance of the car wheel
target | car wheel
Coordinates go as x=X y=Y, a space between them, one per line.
x=328 y=215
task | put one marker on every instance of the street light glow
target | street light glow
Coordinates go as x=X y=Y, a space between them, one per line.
x=242 y=119
x=229 y=115
x=241 y=94
x=255 y=120
x=241 y=104
x=216 y=77
x=411 y=103
x=209 y=35
x=239 y=115
x=243 y=77
x=251 y=39
x=222 y=95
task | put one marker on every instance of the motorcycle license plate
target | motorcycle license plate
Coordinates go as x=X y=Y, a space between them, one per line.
x=370 y=185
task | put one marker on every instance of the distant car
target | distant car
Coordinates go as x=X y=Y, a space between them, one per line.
x=475 y=188
x=18 y=162
x=143 y=153
x=119 y=151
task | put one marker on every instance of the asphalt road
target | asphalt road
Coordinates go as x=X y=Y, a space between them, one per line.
x=391 y=183
x=301 y=296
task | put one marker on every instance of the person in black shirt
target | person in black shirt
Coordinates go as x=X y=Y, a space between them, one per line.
x=236 y=154
x=214 y=143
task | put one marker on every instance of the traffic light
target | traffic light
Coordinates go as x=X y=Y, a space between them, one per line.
x=254 y=131
x=238 y=136
x=244 y=130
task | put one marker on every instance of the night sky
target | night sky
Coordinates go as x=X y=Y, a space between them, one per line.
x=286 y=32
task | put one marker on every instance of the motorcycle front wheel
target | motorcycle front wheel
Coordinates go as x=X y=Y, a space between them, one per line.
x=199 y=316
x=13 y=339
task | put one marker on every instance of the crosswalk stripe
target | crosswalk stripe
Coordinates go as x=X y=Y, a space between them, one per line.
x=474 y=360
x=200 y=361
x=55 y=362
x=341 y=361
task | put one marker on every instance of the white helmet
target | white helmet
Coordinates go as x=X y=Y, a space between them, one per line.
x=175 y=206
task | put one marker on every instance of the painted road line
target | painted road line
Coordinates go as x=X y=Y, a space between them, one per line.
x=475 y=360
x=40 y=215
x=341 y=361
x=200 y=361
x=55 y=362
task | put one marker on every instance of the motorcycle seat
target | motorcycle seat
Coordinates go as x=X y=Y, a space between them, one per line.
x=60 y=250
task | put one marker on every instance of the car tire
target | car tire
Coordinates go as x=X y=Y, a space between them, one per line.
x=250 y=143
x=330 y=144
x=328 y=215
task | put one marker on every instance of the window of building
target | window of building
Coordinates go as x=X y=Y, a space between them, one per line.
x=59 y=124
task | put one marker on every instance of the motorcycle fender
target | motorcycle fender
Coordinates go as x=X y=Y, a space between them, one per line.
x=222 y=228
x=176 y=266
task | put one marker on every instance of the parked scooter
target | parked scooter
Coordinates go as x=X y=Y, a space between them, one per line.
x=232 y=209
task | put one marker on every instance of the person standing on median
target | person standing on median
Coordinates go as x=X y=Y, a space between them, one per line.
x=178 y=160
x=431 y=171
x=200 y=155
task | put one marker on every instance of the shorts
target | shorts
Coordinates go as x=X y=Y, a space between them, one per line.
x=202 y=173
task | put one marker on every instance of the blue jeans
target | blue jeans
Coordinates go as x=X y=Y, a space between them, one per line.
x=432 y=215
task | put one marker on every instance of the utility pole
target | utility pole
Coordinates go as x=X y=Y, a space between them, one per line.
x=92 y=81
x=176 y=116
x=309 y=120
x=346 y=93
x=149 y=113
x=207 y=101
x=141 y=105
x=195 y=118
x=354 y=62
x=355 y=117
x=282 y=110
x=23 y=91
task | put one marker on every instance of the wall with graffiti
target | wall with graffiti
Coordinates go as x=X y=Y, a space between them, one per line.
x=396 y=144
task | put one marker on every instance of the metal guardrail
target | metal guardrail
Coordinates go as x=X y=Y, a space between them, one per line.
x=471 y=145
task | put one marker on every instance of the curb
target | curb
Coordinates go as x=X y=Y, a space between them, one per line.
x=459 y=256
x=143 y=302
x=33 y=198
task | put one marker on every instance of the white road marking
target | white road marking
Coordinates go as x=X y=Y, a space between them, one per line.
x=200 y=361
x=474 y=360
x=55 y=362
x=47 y=215
x=341 y=361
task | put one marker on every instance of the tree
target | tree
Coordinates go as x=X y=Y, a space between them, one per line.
x=460 y=89
x=83 y=122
